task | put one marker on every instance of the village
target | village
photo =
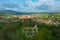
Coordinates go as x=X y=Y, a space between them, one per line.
x=14 y=18
x=27 y=26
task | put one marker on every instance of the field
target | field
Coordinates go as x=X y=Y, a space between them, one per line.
x=48 y=27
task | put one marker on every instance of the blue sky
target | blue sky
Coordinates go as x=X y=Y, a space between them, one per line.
x=31 y=5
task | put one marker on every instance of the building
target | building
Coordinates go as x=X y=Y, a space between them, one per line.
x=30 y=32
x=24 y=18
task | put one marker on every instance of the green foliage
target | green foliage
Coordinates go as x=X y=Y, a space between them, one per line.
x=44 y=34
x=13 y=30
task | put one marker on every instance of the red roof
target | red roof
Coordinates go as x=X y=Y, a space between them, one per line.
x=26 y=17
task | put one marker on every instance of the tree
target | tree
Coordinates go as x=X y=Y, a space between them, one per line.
x=44 y=34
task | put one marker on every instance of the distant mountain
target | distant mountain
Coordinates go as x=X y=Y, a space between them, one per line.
x=13 y=12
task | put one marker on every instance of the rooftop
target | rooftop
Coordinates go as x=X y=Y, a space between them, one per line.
x=26 y=17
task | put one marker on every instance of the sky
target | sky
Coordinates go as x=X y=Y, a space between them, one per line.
x=31 y=5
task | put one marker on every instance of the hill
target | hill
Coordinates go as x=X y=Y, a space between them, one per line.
x=13 y=12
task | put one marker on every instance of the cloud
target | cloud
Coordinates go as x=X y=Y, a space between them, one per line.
x=57 y=0
x=56 y=7
x=31 y=5
x=15 y=9
x=39 y=5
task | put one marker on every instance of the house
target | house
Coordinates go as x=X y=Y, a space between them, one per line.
x=27 y=18
x=30 y=32
x=1 y=20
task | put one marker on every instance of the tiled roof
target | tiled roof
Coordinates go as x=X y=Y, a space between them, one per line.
x=26 y=17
